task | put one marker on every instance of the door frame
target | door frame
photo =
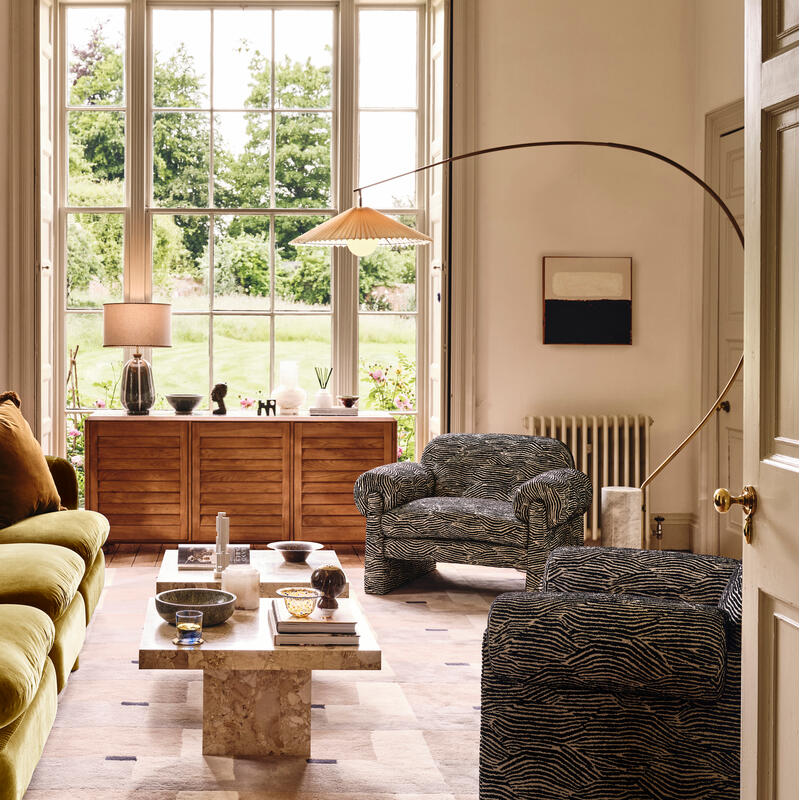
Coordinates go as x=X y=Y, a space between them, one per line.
x=720 y=121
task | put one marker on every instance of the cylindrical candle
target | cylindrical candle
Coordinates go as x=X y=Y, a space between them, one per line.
x=243 y=581
x=288 y=374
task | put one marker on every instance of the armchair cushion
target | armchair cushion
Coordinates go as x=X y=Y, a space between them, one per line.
x=65 y=479
x=384 y=488
x=669 y=575
x=622 y=643
x=490 y=465
x=456 y=519
x=565 y=493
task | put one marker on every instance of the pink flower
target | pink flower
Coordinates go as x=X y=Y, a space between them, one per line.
x=99 y=403
x=399 y=451
x=246 y=402
x=74 y=433
x=377 y=375
x=403 y=403
x=77 y=461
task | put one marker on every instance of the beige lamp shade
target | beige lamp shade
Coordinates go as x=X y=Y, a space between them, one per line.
x=361 y=224
x=137 y=325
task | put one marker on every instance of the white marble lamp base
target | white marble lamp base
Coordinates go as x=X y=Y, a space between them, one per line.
x=621 y=516
x=257 y=713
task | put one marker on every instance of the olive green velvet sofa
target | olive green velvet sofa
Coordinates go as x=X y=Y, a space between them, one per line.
x=52 y=570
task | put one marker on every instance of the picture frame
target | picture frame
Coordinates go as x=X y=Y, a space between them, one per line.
x=587 y=300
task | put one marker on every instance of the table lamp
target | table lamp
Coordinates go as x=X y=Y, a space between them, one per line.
x=137 y=325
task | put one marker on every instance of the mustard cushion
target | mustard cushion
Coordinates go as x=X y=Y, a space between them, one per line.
x=26 y=636
x=26 y=485
x=41 y=575
x=70 y=635
x=22 y=742
x=91 y=587
x=83 y=532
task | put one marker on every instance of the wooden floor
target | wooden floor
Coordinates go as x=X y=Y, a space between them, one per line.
x=150 y=555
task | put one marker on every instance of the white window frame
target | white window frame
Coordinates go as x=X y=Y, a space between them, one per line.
x=138 y=211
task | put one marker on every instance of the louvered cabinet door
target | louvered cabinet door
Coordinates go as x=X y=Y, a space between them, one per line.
x=243 y=469
x=137 y=475
x=328 y=457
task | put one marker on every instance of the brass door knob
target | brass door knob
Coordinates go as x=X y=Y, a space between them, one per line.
x=748 y=500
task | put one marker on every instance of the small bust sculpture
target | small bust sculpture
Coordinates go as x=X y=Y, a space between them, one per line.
x=218 y=396
x=330 y=580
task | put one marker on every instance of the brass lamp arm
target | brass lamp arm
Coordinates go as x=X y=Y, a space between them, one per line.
x=616 y=146
x=570 y=143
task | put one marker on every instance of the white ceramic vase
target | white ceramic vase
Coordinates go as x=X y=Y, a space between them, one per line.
x=323 y=399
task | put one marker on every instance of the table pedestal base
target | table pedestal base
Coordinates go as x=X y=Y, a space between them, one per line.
x=256 y=712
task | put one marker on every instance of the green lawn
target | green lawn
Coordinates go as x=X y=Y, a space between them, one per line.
x=241 y=353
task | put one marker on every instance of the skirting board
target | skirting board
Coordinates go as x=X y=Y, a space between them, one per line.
x=678 y=531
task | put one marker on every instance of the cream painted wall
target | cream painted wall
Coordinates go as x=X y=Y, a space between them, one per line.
x=624 y=70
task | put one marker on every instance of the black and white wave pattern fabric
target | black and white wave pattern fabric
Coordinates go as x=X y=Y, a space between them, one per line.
x=597 y=693
x=491 y=499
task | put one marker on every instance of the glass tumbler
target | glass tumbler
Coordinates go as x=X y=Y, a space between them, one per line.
x=190 y=626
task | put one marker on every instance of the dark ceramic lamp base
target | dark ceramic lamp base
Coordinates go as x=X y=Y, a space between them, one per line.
x=137 y=392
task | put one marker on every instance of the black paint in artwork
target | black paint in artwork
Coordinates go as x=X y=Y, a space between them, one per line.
x=587 y=321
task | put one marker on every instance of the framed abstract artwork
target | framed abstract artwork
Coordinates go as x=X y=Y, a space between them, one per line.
x=587 y=299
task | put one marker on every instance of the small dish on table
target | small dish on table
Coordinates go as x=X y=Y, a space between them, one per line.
x=300 y=600
x=295 y=552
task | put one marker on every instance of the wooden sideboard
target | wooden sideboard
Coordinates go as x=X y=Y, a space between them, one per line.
x=163 y=478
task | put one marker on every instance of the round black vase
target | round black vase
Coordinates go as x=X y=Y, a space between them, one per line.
x=330 y=580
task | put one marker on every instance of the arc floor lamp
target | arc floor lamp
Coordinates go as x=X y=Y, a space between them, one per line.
x=362 y=229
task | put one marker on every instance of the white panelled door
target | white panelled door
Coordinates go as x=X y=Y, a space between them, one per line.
x=770 y=613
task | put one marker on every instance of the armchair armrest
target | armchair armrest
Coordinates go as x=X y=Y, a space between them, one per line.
x=686 y=577
x=384 y=488
x=625 y=644
x=65 y=479
x=565 y=493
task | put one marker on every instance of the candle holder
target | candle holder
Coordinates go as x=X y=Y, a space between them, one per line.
x=289 y=395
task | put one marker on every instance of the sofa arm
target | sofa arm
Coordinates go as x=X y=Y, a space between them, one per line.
x=625 y=644
x=65 y=479
x=384 y=488
x=565 y=493
x=675 y=576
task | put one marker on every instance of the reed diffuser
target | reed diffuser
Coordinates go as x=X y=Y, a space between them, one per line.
x=323 y=398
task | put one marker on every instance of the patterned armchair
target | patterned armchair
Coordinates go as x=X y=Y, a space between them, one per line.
x=619 y=680
x=492 y=499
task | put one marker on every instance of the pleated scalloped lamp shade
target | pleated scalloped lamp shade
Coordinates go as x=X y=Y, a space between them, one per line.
x=362 y=230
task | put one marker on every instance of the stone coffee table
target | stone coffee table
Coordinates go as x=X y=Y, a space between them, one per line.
x=275 y=572
x=256 y=696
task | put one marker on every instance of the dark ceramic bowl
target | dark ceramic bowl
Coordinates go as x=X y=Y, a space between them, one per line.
x=184 y=403
x=348 y=400
x=215 y=604
x=295 y=552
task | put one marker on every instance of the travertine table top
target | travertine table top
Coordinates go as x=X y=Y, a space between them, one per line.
x=244 y=642
x=275 y=572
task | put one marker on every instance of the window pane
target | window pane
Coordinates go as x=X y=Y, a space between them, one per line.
x=98 y=368
x=241 y=58
x=241 y=159
x=307 y=340
x=181 y=49
x=387 y=277
x=241 y=263
x=303 y=58
x=387 y=68
x=302 y=274
x=388 y=146
x=180 y=159
x=96 y=158
x=95 y=45
x=183 y=368
x=241 y=358
x=180 y=261
x=303 y=161
x=94 y=259
x=387 y=362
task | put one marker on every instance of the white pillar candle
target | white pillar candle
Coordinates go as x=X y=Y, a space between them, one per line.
x=288 y=374
x=621 y=516
x=243 y=581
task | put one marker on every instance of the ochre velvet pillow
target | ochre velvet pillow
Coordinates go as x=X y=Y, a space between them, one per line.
x=26 y=485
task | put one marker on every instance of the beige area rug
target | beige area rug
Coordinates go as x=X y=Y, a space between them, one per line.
x=408 y=732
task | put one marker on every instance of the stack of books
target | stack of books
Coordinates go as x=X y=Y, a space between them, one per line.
x=314 y=630
x=334 y=411
x=202 y=556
